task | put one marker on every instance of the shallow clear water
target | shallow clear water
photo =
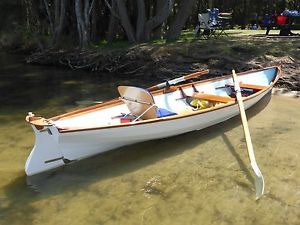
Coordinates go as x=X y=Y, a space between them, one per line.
x=201 y=177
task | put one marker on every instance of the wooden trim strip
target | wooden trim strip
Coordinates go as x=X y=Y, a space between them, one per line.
x=249 y=86
x=214 y=98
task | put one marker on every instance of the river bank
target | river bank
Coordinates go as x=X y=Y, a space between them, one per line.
x=160 y=61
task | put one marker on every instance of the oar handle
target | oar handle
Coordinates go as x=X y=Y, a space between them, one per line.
x=153 y=88
x=177 y=80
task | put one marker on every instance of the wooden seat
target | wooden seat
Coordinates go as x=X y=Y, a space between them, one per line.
x=214 y=98
x=139 y=102
x=249 y=86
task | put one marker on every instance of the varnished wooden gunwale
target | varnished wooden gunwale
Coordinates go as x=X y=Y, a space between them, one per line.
x=89 y=109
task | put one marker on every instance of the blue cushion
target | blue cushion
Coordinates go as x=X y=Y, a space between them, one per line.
x=164 y=112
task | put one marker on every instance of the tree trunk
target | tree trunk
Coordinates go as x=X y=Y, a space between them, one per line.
x=28 y=5
x=80 y=23
x=56 y=11
x=94 y=23
x=60 y=14
x=144 y=28
x=180 y=19
x=158 y=19
x=141 y=19
x=49 y=16
x=113 y=23
x=83 y=21
x=157 y=32
x=125 y=21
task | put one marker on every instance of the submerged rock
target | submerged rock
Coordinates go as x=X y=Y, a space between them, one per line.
x=152 y=187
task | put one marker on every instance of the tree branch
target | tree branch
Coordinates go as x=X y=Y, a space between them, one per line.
x=159 y=18
x=113 y=12
x=91 y=7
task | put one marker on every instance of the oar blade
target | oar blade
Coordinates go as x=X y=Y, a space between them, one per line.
x=259 y=181
x=259 y=186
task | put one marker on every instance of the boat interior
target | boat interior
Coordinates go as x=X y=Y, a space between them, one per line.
x=139 y=104
x=136 y=104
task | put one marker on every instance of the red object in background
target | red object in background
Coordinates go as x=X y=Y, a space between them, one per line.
x=281 y=20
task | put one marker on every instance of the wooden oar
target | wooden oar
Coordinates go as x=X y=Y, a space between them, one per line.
x=178 y=80
x=259 y=180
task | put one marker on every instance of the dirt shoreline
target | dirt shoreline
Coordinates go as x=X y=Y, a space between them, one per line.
x=165 y=61
x=285 y=92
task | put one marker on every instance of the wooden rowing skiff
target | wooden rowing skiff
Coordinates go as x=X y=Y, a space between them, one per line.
x=139 y=115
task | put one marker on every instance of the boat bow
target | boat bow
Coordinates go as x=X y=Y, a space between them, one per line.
x=46 y=153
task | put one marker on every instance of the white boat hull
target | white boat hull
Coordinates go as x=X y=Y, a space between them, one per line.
x=54 y=148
